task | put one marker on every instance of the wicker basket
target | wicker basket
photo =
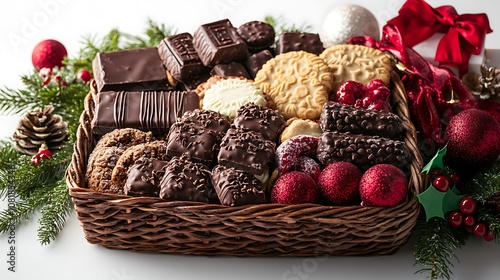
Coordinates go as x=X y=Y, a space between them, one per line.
x=154 y=225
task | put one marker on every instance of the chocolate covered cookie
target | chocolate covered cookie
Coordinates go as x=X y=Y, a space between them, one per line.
x=144 y=177
x=235 y=187
x=253 y=117
x=257 y=35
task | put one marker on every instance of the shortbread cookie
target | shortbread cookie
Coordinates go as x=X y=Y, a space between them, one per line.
x=152 y=150
x=297 y=126
x=357 y=63
x=227 y=96
x=296 y=83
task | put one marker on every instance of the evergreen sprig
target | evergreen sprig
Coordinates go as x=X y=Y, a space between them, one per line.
x=43 y=186
x=281 y=26
x=435 y=246
x=485 y=184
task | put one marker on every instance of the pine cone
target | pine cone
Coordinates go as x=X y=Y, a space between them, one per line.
x=37 y=127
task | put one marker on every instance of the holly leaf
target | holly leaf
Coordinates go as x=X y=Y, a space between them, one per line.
x=436 y=161
x=437 y=203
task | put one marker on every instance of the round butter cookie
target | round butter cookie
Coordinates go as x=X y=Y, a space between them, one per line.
x=297 y=126
x=227 y=96
x=357 y=63
x=203 y=87
x=296 y=84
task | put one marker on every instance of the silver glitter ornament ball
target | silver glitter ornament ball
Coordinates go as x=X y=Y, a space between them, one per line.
x=347 y=21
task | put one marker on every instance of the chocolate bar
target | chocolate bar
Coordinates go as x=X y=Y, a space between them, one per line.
x=130 y=70
x=246 y=150
x=218 y=42
x=235 y=187
x=152 y=111
x=255 y=61
x=179 y=57
x=257 y=35
x=293 y=41
x=362 y=150
x=345 y=118
x=233 y=69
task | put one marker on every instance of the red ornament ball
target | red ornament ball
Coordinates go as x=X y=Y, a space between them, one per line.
x=473 y=140
x=84 y=75
x=294 y=187
x=441 y=183
x=48 y=53
x=308 y=166
x=383 y=185
x=339 y=183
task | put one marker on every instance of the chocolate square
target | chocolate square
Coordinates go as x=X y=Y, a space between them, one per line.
x=219 y=42
x=130 y=70
x=233 y=69
x=185 y=180
x=235 y=187
x=194 y=140
x=255 y=61
x=293 y=41
x=246 y=150
x=180 y=58
x=252 y=117
x=152 y=111
x=144 y=177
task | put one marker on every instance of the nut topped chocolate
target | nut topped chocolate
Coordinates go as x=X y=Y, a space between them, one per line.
x=186 y=181
x=253 y=117
x=246 y=150
x=180 y=58
x=144 y=177
x=207 y=119
x=130 y=70
x=218 y=42
x=235 y=187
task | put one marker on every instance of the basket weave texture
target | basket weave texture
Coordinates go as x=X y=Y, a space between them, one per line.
x=193 y=228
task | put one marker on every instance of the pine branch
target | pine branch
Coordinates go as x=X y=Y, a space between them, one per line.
x=23 y=209
x=281 y=26
x=54 y=213
x=436 y=244
x=485 y=184
x=154 y=34
x=491 y=217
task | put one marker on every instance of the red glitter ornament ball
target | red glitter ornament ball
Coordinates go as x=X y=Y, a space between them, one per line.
x=48 y=53
x=473 y=140
x=308 y=166
x=339 y=183
x=383 y=185
x=294 y=187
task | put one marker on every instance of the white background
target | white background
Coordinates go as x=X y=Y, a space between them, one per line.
x=71 y=257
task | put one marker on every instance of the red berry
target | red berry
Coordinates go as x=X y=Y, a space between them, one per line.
x=359 y=103
x=375 y=84
x=356 y=89
x=44 y=154
x=378 y=106
x=381 y=94
x=58 y=78
x=454 y=178
x=289 y=151
x=455 y=219
x=46 y=81
x=441 y=183
x=479 y=230
x=489 y=235
x=84 y=75
x=345 y=98
x=434 y=172
x=366 y=101
x=469 y=221
x=467 y=205
x=308 y=166
x=35 y=160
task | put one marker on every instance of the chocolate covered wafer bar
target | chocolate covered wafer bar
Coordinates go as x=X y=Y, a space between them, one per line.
x=362 y=150
x=152 y=111
x=218 y=42
x=130 y=70
x=345 y=118
x=180 y=58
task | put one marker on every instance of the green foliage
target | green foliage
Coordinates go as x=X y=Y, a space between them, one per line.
x=281 y=26
x=435 y=245
x=485 y=184
x=43 y=186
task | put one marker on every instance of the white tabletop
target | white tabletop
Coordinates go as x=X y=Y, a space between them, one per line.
x=71 y=257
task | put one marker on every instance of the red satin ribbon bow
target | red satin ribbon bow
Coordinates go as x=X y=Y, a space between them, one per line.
x=464 y=34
